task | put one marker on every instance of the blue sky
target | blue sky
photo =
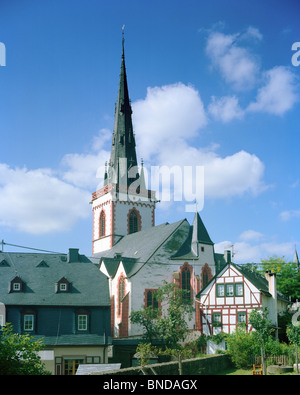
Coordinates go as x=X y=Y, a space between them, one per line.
x=212 y=84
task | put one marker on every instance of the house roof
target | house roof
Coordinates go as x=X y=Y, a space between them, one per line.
x=40 y=274
x=152 y=245
x=259 y=281
x=88 y=339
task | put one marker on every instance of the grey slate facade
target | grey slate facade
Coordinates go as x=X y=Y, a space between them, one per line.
x=62 y=299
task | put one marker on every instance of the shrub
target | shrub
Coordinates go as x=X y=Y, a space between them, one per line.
x=241 y=347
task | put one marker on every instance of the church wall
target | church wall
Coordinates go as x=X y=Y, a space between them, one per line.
x=114 y=287
x=152 y=276
x=122 y=209
x=103 y=203
x=116 y=219
x=207 y=256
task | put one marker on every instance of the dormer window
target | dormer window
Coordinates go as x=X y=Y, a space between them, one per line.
x=16 y=285
x=4 y=263
x=63 y=285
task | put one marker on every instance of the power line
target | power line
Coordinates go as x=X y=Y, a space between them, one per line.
x=28 y=248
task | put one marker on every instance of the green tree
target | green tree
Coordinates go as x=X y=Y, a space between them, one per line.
x=19 y=354
x=176 y=311
x=293 y=334
x=287 y=275
x=145 y=351
x=147 y=318
x=169 y=323
x=263 y=328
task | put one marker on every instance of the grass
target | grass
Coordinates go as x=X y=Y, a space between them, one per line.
x=235 y=372
x=246 y=372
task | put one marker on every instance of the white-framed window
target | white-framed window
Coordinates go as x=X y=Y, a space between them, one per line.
x=82 y=320
x=229 y=290
x=217 y=319
x=63 y=287
x=242 y=317
x=16 y=286
x=28 y=322
x=236 y=289
x=220 y=290
x=239 y=289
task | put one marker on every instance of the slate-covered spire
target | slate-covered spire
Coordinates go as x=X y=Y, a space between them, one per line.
x=123 y=163
x=296 y=259
x=199 y=234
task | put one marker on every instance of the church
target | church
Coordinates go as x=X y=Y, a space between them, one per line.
x=137 y=256
x=132 y=252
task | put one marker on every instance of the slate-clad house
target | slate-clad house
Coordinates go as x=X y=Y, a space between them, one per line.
x=62 y=299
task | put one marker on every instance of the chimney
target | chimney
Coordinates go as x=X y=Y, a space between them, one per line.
x=73 y=255
x=271 y=278
x=227 y=256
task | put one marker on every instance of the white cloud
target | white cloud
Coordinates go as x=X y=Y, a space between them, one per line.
x=252 y=32
x=84 y=170
x=248 y=235
x=167 y=122
x=233 y=175
x=238 y=66
x=289 y=214
x=225 y=108
x=37 y=202
x=278 y=94
x=87 y=170
x=249 y=251
x=167 y=115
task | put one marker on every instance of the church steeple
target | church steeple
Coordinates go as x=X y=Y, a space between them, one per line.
x=123 y=205
x=200 y=234
x=123 y=163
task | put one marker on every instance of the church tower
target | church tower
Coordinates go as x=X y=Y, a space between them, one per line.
x=123 y=205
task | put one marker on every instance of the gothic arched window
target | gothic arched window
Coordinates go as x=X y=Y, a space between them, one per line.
x=151 y=299
x=102 y=224
x=186 y=272
x=206 y=275
x=134 y=221
x=121 y=286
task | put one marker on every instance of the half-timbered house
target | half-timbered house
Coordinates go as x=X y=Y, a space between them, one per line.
x=232 y=294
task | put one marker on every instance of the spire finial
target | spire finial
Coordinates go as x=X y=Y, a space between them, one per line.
x=123 y=39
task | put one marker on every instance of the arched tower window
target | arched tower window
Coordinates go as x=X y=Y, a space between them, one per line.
x=134 y=221
x=102 y=224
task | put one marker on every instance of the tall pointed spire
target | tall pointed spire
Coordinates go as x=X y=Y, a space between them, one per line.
x=123 y=163
x=296 y=259
x=200 y=234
